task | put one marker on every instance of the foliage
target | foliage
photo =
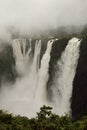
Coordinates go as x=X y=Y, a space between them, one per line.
x=45 y=120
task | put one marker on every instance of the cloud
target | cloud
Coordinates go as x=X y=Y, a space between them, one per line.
x=38 y=15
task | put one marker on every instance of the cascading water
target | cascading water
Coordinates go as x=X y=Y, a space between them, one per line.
x=28 y=51
x=36 y=59
x=18 y=55
x=22 y=93
x=30 y=91
x=24 y=46
x=41 y=93
x=63 y=82
x=26 y=54
x=21 y=59
x=33 y=74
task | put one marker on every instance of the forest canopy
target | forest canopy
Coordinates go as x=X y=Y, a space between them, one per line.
x=45 y=120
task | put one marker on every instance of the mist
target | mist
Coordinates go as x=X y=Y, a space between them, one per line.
x=32 y=16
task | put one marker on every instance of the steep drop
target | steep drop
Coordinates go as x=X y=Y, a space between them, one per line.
x=63 y=81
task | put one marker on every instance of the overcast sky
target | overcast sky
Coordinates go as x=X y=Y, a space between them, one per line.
x=32 y=15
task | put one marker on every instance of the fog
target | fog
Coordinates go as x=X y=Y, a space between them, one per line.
x=30 y=16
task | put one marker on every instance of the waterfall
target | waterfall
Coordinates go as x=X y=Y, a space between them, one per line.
x=29 y=50
x=29 y=92
x=33 y=77
x=41 y=93
x=24 y=46
x=16 y=44
x=21 y=58
x=63 y=82
x=26 y=54
x=19 y=98
x=37 y=55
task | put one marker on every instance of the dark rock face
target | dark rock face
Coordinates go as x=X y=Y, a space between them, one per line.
x=57 y=49
x=79 y=96
x=7 y=63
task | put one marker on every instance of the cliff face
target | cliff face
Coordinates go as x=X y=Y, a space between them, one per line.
x=79 y=97
x=7 y=70
x=79 y=94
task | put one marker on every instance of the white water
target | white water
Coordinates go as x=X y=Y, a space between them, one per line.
x=41 y=93
x=29 y=93
x=18 y=55
x=63 y=82
x=34 y=72
x=22 y=59
x=21 y=97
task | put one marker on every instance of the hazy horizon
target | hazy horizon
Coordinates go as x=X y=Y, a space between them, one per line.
x=32 y=16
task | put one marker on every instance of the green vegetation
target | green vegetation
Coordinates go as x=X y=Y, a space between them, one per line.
x=45 y=120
